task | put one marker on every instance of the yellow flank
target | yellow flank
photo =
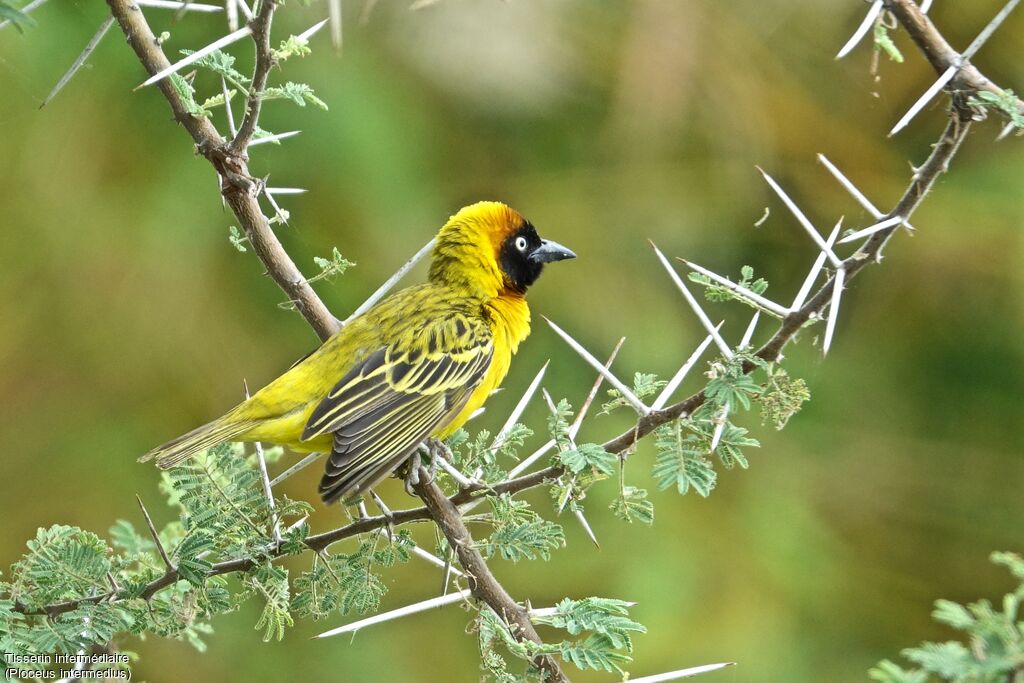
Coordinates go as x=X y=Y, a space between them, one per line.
x=416 y=365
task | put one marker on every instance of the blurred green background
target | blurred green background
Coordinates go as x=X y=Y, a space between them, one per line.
x=128 y=318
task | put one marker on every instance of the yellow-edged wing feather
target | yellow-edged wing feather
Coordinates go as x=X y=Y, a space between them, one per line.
x=402 y=393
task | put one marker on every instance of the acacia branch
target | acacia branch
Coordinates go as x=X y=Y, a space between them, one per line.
x=264 y=62
x=444 y=510
x=926 y=176
x=481 y=581
x=240 y=191
x=239 y=188
x=939 y=53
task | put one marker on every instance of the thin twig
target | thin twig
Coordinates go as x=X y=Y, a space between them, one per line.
x=443 y=510
x=156 y=537
x=482 y=583
x=260 y=28
x=239 y=188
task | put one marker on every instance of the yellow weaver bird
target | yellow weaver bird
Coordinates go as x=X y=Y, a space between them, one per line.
x=414 y=366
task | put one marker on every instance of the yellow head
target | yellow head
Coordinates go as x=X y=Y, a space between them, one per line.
x=489 y=249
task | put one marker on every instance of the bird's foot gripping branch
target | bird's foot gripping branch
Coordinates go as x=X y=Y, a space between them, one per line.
x=74 y=592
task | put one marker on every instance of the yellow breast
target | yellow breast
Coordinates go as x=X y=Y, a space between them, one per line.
x=510 y=325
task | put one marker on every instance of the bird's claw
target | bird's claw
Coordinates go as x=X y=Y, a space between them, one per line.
x=412 y=475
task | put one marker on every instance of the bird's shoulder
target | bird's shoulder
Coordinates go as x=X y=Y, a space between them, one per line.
x=432 y=318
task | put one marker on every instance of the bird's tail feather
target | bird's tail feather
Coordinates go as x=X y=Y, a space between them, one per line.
x=178 y=450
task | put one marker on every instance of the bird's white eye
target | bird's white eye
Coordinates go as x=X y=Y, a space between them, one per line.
x=521 y=243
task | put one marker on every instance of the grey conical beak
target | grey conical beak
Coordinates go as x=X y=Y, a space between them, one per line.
x=549 y=251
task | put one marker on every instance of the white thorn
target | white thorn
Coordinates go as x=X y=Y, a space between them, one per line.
x=1006 y=131
x=311 y=31
x=297 y=524
x=233 y=37
x=716 y=438
x=89 y=48
x=172 y=4
x=852 y=189
x=802 y=219
x=398 y=613
x=391 y=281
x=865 y=26
x=227 y=107
x=379 y=502
x=924 y=99
x=435 y=560
x=751 y=296
x=462 y=480
x=690 y=299
x=872 y=229
x=220 y=191
x=989 y=29
x=682 y=673
x=680 y=375
x=532 y=458
x=232 y=11
x=833 y=312
x=819 y=262
x=265 y=477
x=925 y=6
x=476 y=413
x=749 y=333
x=630 y=397
x=300 y=465
x=285 y=190
x=950 y=72
x=274 y=138
x=574 y=428
x=586 y=526
x=517 y=412
x=245 y=10
x=279 y=213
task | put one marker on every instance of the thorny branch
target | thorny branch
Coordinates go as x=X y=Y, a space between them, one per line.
x=241 y=190
x=939 y=52
x=264 y=62
x=481 y=581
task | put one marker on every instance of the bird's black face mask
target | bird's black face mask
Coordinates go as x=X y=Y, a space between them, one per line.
x=523 y=255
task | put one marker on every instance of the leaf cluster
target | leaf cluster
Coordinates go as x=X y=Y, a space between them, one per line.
x=519 y=532
x=994 y=635
x=601 y=630
x=716 y=292
x=1005 y=102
